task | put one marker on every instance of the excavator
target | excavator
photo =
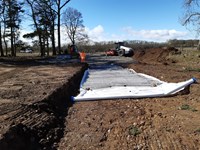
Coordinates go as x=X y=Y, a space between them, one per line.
x=74 y=53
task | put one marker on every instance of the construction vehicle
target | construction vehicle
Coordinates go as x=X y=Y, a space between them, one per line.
x=123 y=50
x=111 y=52
x=120 y=50
x=73 y=51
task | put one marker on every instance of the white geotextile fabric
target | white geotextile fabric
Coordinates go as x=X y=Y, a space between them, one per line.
x=114 y=83
x=97 y=79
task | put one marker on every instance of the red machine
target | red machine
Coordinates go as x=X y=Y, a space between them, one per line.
x=111 y=52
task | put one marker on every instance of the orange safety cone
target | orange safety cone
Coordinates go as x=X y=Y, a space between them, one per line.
x=82 y=56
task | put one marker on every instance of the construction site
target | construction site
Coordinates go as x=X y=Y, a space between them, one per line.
x=41 y=105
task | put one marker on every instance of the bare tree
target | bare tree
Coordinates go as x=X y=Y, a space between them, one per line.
x=191 y=17
x=13 y=9
x=60 y=4
x=73 y=22
x=1 y=20
x=1 y=46
x=3 y=25
x=50 y=17
x=37 y=32
x=47 y=23
x=42 y=18
x=44 y=14
x=192 y=14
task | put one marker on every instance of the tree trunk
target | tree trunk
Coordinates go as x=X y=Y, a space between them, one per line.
x=6 y=46
x=40 y=42
x=41 y=46
x=37 y=29
x=12 y=42
x=73 y=38
x=47 y=45
x=46 y=40
x=15 y=47
x=44 y=44
x=59 y=7
x=4 y=34
x=1 y=46
x=198 y=46
x=53 y=39
x=59 y=41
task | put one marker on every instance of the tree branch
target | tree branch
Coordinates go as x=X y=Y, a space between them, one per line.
x=64 y=4
x=188 y=19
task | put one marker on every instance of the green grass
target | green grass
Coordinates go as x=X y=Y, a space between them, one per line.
x=189 y=58
x=133 y=130
x=187 y=107
x=192 y=69
x=197 y=131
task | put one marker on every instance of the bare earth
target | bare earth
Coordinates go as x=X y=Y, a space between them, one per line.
x=150 y=123
x=34 y=114
x=34 y=98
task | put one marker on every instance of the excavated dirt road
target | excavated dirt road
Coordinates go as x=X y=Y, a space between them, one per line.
x=36 y=112
x=150 y=123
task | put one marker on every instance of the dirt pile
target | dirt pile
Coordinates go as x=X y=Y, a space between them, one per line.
x=154 y=55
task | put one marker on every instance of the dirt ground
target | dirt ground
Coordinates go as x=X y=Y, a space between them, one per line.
x=34 y=97
x=150 y=123
x=36 y=112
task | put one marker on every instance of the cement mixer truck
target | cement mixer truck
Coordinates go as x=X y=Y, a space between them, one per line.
x=120 y=50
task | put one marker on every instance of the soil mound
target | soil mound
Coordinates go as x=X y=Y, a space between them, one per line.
x=154 y=55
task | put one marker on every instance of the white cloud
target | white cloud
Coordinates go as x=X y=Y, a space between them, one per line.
x=98 y=34
x=155 y=35
x=128 y=33
x=98 y=30
x=27 y=40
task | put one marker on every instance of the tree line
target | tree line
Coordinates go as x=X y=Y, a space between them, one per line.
x=183 y=43
x=46 y=19
x=46 y=16
x=138 y=45
x=9 y=24
x=106 y=45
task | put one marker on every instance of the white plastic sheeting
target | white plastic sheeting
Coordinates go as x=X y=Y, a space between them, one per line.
x=119 y=83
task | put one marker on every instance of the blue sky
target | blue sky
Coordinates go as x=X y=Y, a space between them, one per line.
x=152 y=20
x=138 y=13
x=117 y=20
